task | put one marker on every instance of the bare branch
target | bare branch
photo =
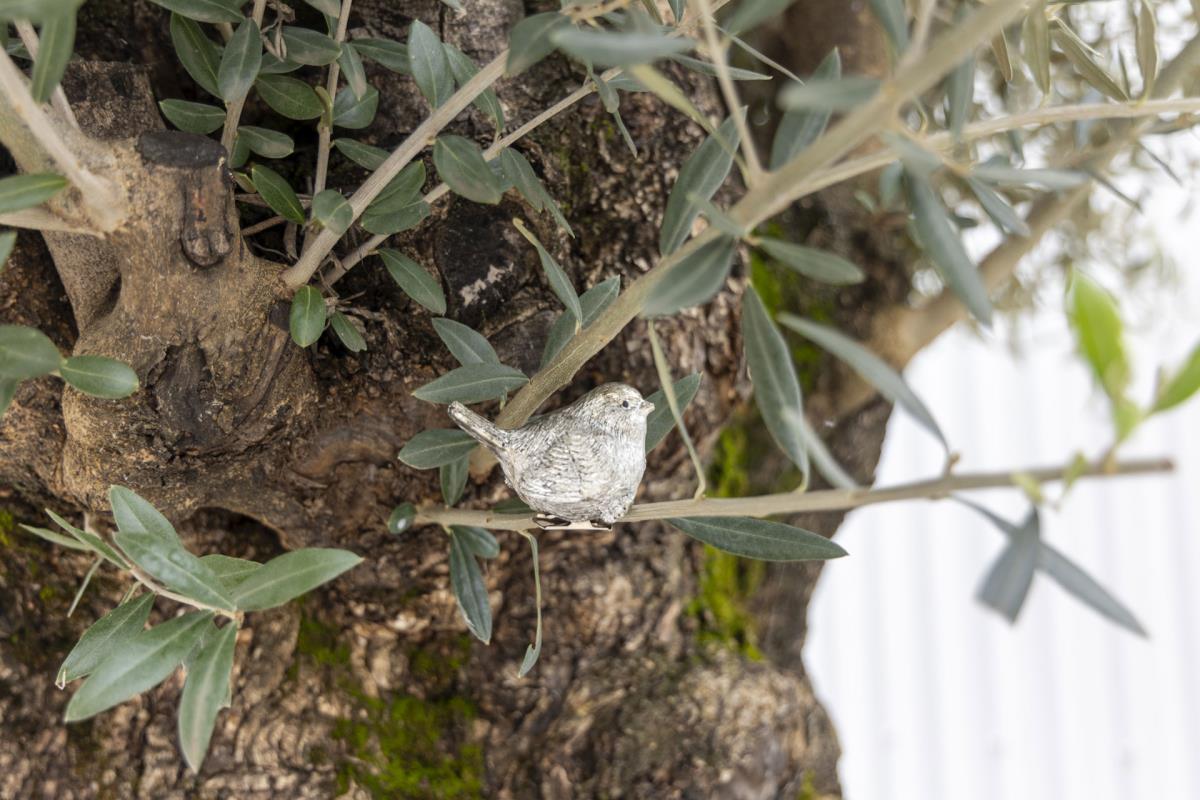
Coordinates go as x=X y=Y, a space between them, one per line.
x=40 y=219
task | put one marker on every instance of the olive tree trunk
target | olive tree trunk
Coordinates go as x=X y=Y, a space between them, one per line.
x=664 y=673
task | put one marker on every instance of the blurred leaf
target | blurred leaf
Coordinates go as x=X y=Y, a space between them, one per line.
x=277 y=194
x=267 y=143
x=57 y=44
x=593 y=302
x=204 y=695
x=776 y=387
x=705 y=68
x=800 y=128
x=759 y=539
x=386 y=53
x=1099 y=333
x=192 y=117
x=512 y=505
x=701 y=174
x=460 y=163
x=8 y=389
x=893 y=16
x=347 y=333
x=143 y=662
x=1084 y=588
x=174 y=567
x=828 y=94
x=8 y=240
x=54 y=537
x=333 y=211
x=522 y=176
x=92 y=540
x=1147 y=46
x=465 y=344
x=469 y=589
x=1049 y=178
x=473 y=383
x=330 y=8
x=1007 y=583
x=960 y=91
x=365 y=155
x=306 y=321
x=618 y=48
x=19 y=192
x=205 y=10
x=290 y=575
x=478 y=540
x=309 y=47
x=355 y=112
x=463 y=69
x=230 y=571
x=916 y=158
x=694 y=280
x=660 y=421
x=99 y=376
x=453 y=479
x=401 y=518
x=1180 y=386
x=997 y=208
x=748 y=14
x=107 y=636
x=529 y=41
x=1002 y=55
x=940 y=239
x=873 y=369
x=430 y=68
x=1035 y=42
x=817 y=264
x=414 y=280
x=240 y=62
x=1086 y=62
x=717 y=218
x=433 y=448
x=26 y=353
x=201 y=58
x=290 y=97
x=352 y=68
x=560 y=284
x=533 y=651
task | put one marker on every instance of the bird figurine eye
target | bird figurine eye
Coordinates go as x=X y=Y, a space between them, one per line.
x=624 y=404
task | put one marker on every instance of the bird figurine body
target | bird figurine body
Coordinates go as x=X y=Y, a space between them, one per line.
x=578 y=467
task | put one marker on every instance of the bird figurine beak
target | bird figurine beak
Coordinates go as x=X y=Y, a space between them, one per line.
x=647 y=406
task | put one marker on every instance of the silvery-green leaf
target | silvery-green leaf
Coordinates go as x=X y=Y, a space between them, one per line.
x=560 y=284
x=469 y=589
x=522 y=176
x=718 y=218
x=593 y=302
x=776 y=387
x=472 y=383
x=823 y=460
x=307 y=318
x=512 y=505
x=26 y=352
x=997 y=208
x=701 y=175
x=464 y=343
x=828 y=94
x=428 y=63
x=333 y=211
x=705 y=68
x=463 y=69
x=277 y=194
x=434 y=448
x=93 y=541
x=478 y=540
x=1007 y=583
x=660 y=422
x=1053 y=179
x=309 y=47
x=694 y=280
x=414 y=280
x=230 y=571
x=386 y=53
x=401 y=191
x=354 y=112
x=678 y=7
x=759 y=539
x=1084 y=588
x=529 y=41
x=240 y=62
x=204 y=694
x=533 y=651
x=53 y=537
x=143 y=662
x=57 y=34
x=1099 y=332
x=460 y=163
x=1147 y=46
x=200 y=56
x=290 y=97
x=960 y=91
x=748 y=14
x=1035 y=44
x=267 y=143
x=873 y=369
x=365 y=155
x=352 y=68
x=192 y=117
x=893 y=16
x=204 y=10
x=290 y=575
x=347 y=333
x=99 y=376
x=18 y=192
x=1086 y=62
x=941 y=241
x=401 y=518
x=617 y=48
x=174 y=567
x=1180 y=386
x=136 y=515
x=916 y=159
x=820 y=265
x=107 y=636
x=801 y=127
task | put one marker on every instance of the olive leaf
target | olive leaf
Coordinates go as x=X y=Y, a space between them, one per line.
x=759 y=539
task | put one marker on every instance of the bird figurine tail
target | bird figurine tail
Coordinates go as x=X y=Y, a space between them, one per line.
x=479 y=428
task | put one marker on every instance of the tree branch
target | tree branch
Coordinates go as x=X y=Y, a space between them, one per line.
x=826 y=500
x=39 y=219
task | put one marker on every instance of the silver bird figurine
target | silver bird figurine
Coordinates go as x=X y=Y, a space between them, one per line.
x=578 y=467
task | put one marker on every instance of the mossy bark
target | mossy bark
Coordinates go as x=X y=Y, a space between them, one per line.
x=254 y=446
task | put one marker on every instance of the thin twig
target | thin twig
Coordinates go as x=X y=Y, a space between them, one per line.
x=58 y=97
x=40 y=219
x=325 y=129
x=716 y=54
x=266 y=224
x=233 y=111
x=825 y=500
